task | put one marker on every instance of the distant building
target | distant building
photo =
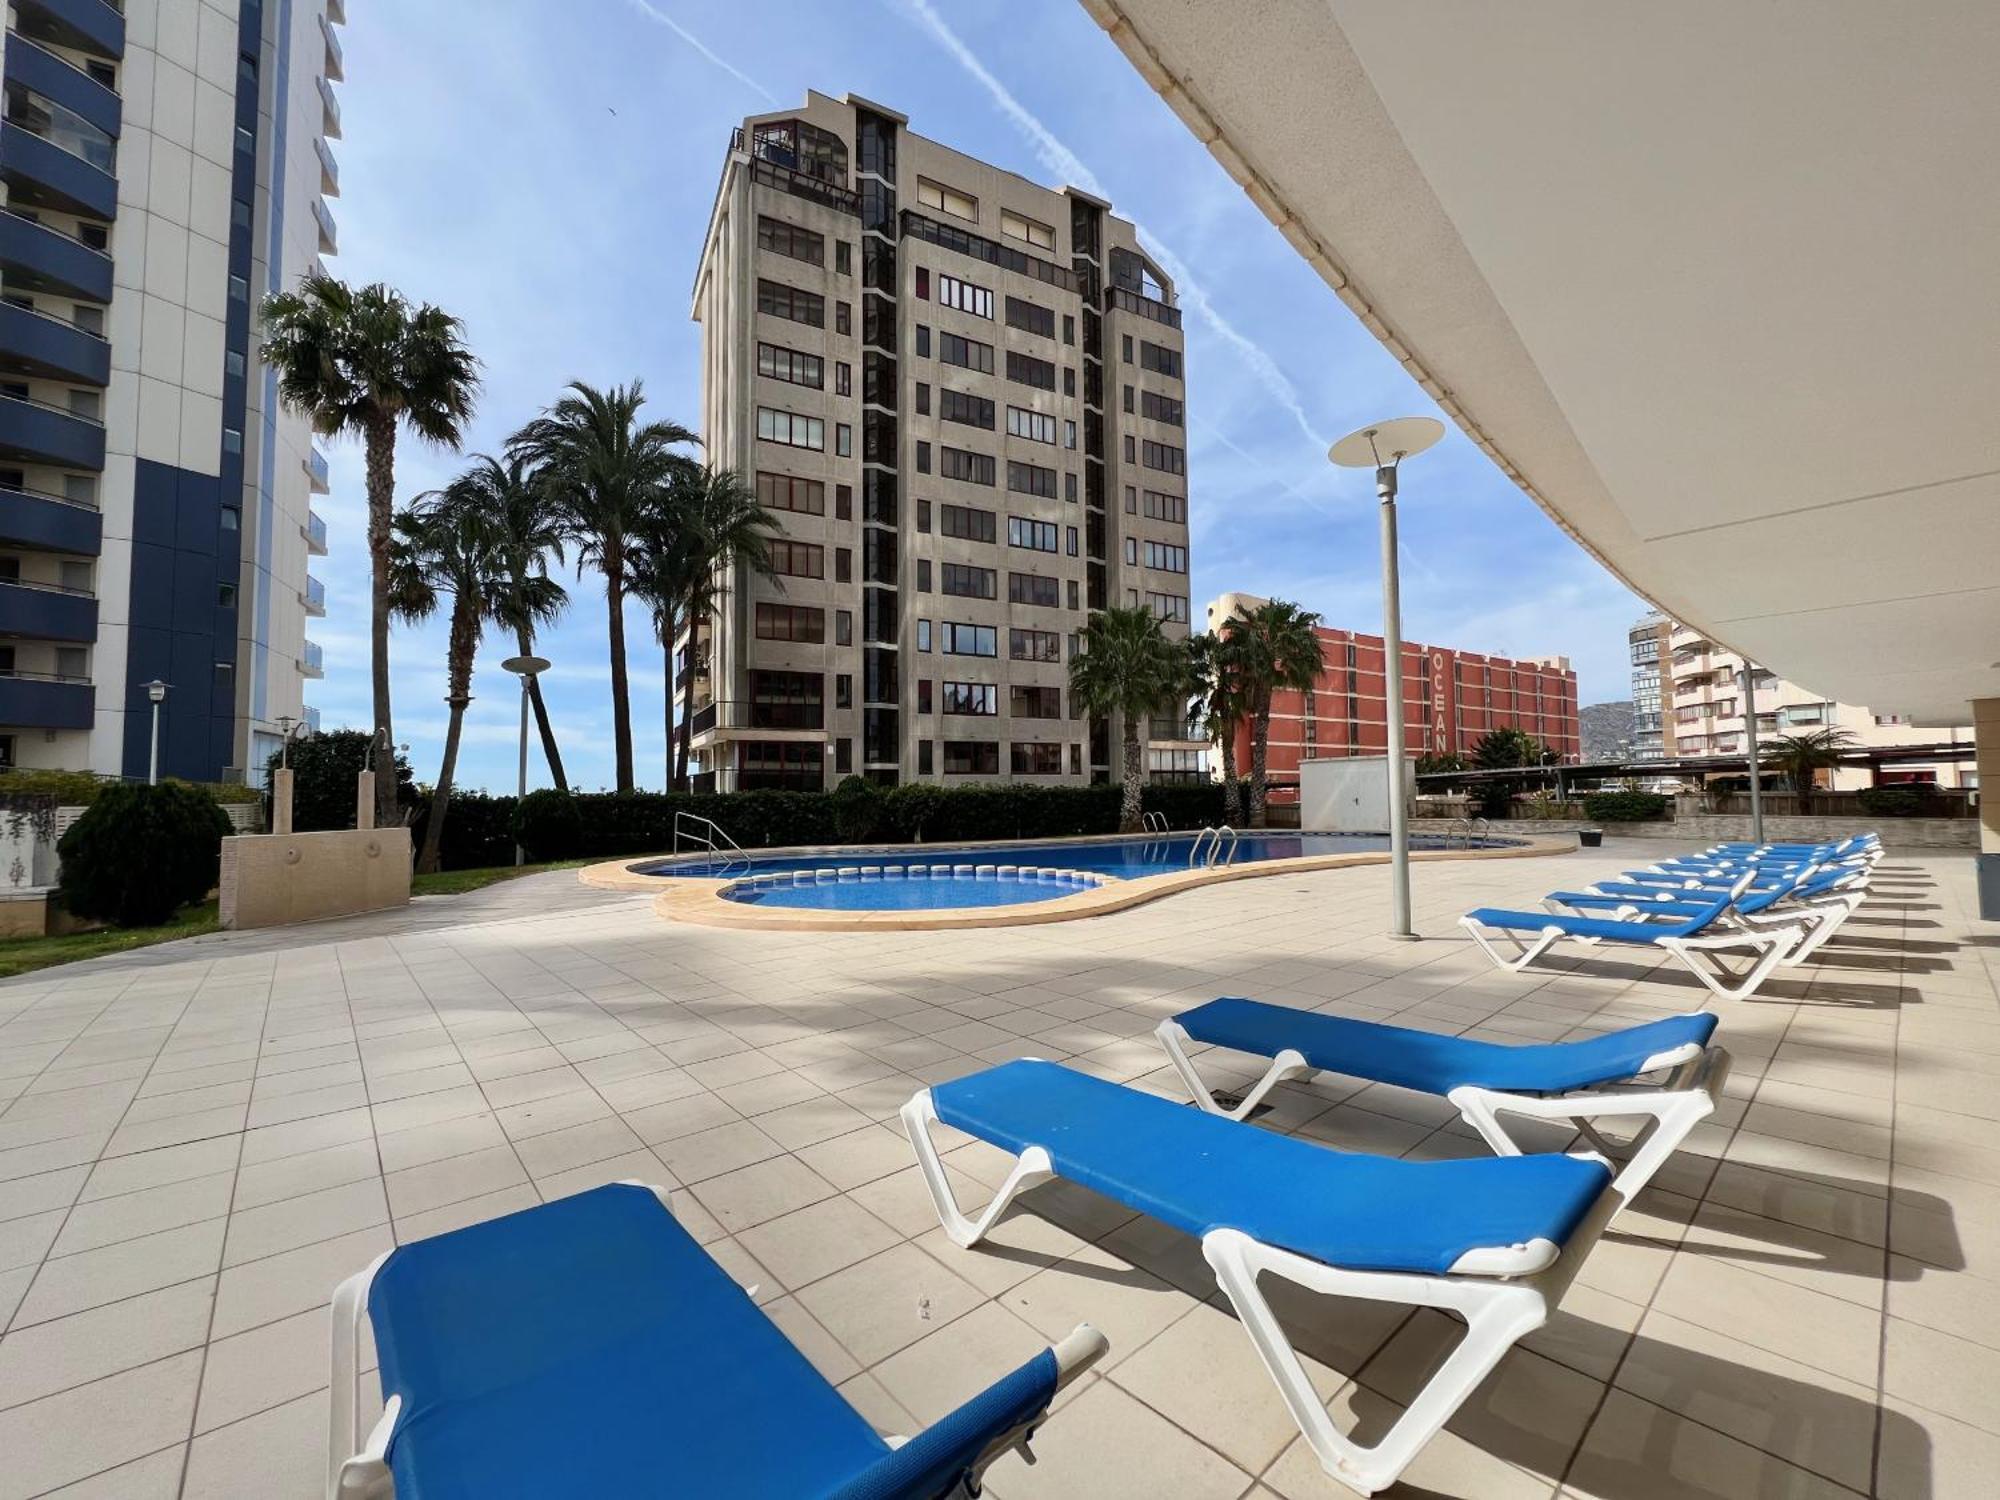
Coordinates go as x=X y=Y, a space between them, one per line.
x=1607 y=730
x=1650 y=640
x=1451 y=699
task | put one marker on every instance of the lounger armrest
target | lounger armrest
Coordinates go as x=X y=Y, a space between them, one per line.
x=1083 y=1347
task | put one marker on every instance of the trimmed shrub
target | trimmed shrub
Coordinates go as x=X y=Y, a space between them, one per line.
x=478 y=830
x=323 y=770
x=141 y=853
x=1625 y=807
x=1894 y=801
x=857 y=810
x=548 y=825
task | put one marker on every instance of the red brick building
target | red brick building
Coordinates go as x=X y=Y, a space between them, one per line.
x=1450 y=699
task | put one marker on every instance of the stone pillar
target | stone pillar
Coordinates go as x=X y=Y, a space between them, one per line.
x=281 y=801
x=364 y=804
x=1986 y=750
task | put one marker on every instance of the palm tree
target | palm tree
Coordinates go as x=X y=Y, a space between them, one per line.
x=531 y=527
x=1129 y=668
x=1277 y=648
x=365 y=360
x=608 y=470
x=1218 y=689
x=451 y=542
x=710 y=521
x=1800 y=757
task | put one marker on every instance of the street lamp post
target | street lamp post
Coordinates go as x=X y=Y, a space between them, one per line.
x=1750 y=743
x=527 y=668
x=1383 y=446
x=157 y=691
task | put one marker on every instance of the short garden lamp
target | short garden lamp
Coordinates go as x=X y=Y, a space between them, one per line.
x=157 y=691
x=527 y=668
x=1382 y=446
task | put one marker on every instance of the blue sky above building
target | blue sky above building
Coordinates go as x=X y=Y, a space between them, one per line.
x=546 y=173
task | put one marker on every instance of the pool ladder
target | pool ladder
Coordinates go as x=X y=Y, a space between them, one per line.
x=1212 y=838
x=1471 y=828
x=1155 y=822
x=706 y=833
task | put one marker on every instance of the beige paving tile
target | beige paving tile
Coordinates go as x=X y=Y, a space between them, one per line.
x=888 y=1301
x=467 y=1211
x=1108 y=1444
x=713 y=1153
x=54 y=1356
x=452 y=1180
x=105 y=1221
x=1941 y=1371
x=92 y=1428
x=74 y=1283
x=750 y=1195
x=1826 y=1333
x=276 y=1454
x=1637 y=1451
x=157 y=1476
x=277 y=1286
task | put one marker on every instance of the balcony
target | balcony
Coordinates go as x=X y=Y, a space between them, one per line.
x=329 y=168
x=57 y=79
x=36 y=432
x=38 y=257
x=46 y=347
x=42 y=700
x=87 y=25
x=312 y=660
x=47 y=611
x=314 y=532
x=722 y=719
x=313 y=596
x=330 y=121
x=42 y=522
x=315 y=462
x=329 y=232
x=41 y=174
x=1117 y=298
x=336 y=64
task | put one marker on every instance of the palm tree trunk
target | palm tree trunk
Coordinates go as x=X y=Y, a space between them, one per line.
x=554 y=756
x=1232 y=793
x=380 y=443
x=683 y=737
x=1260 y=745
x=1129 y=819
x=621 y=703
x=464 y=641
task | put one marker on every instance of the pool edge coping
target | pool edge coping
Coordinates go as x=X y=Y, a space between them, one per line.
x=699 y=901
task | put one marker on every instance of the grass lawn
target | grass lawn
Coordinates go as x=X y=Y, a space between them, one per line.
x=25 y=955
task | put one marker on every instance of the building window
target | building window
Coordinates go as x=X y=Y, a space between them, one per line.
x=1128 y=348
x=239 y=289
x=970 y=698
x=946 y=199
x=1031 y=479
x=959 y=406
x=1025 y=702
x=1069 y=489
x=843 y=379
x=793 y=366
x=1032 y=425
x=1040 y=235
x=1162 y=507
x=1069 y=540
x=797 y=559
x=968 y=640
x=923 y=341
x=791 y=622
x=1162 y=456
x=843 y=691
x=1033 y=645
x=1033 y=589
x=1036 y=536
x=964 y=296
x=923 y=635
x=972 y=468
x=843 y=258
x=1131 y=449
x=969 y=354
x=1069 y=381
x=1031 y=317
x=923 y=575
x=843 y=627
x=1036 y=760
x=784 y=492
x=1069 y=434
x=923 y=399
x=232 y=440
x=1173 y=607
x=1027 y=370
x=843 y=756
x=1072 y=595
x=225 y=596
x=793 y=429
x=923 y=517
x=1128 y=398
x=968 y=523
x=232 y=364
x=790 y=239
x=1158 y=408
x=843 y=440
x=924 y=761
x=843 y=565
x=1069 y=329
x=1157 y=358
x=971 y=758
x=843 y=502
x=1165 y=558
x=843 y=317
x=923 y=458
x=968 y=582
x=793 y=303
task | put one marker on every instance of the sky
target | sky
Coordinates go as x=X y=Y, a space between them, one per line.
x=545 y=173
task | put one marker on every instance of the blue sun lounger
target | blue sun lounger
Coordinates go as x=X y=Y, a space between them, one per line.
x=1571 y=1082
x=1496 y=1240
x=1815 y=901
x=590 y=1347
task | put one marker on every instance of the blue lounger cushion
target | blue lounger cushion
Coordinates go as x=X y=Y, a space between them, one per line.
x=1438 y=1064
x=1597 y=927
x=590 y=1347
x=1200 y=1172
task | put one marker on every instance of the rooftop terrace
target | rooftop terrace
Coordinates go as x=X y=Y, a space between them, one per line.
x=198 y=1141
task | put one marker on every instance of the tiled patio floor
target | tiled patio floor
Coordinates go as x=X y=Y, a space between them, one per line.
x=196 y=1144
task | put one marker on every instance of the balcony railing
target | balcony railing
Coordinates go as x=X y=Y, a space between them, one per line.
x=743 y=714
x=336 y=63
x=50 y=495
x=43 y=257
x=315 y=534
x=314 y=595
x=316 y=468
x=329 y=167
x=979 y=247
x=329 y=232
x=803 y=185
x=312 y=660
x=330 y=124
x=1146 y=307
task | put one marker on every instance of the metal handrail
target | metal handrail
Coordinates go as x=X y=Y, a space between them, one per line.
x=704 y=833
x=1194 y=849
x=1213 y=837
x=1154 y=822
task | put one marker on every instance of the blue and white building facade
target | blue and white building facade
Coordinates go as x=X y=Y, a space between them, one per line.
x=164 y=166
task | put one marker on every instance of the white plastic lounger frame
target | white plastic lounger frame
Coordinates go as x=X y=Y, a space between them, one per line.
x=1667 y=1109
x=1766 y=949
x=365 y=1472
x=1502 y=1294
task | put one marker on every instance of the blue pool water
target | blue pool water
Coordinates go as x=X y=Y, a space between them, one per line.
x=917 y=876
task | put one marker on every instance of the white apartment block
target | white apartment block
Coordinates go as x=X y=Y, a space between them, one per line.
x=165 y=166
x=963 y=394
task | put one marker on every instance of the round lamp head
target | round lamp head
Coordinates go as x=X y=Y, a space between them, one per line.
x=526 y=666
x=1384 y=443
x=156 y=690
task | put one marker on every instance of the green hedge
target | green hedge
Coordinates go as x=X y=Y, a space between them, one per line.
x=604 y=825
x=1896 y=801
x=81 y=788
x=1625 y=807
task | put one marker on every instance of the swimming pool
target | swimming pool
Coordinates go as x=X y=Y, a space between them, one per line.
x=913 y=877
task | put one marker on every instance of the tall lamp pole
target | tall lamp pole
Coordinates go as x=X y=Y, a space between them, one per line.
x=1750 y=742
x=157 y=691
x=1382 y=447
x=527 y=668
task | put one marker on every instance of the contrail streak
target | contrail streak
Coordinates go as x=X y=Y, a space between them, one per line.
x=653 y=13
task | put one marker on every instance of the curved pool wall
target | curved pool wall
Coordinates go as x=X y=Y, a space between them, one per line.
x=785 y=889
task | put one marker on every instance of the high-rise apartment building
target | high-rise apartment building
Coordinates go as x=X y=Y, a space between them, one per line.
x=1705 y=716
x=962 y=393
x=1650 y=640
x=165 y=166
x=1451 y=700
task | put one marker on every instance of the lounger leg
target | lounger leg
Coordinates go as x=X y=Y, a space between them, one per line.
x=1031 y=1170
x=1288 y=1064
x=1497 y=1313
x=1770 y=949
x=1524 y=953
